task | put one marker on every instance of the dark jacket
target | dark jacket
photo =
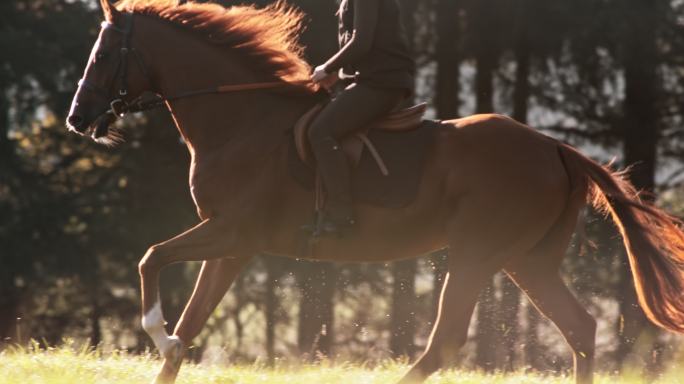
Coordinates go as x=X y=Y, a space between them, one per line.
x=373 y=45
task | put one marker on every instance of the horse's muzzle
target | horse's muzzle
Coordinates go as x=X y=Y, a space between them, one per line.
x=101 y=125
x=97 y=129
x=75 y=124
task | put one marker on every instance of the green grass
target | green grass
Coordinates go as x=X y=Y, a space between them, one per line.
x=70 y=366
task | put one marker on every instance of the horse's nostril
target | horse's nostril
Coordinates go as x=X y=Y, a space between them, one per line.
x=75 y=121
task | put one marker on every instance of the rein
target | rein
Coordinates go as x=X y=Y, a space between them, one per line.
x=159 y=101
x=120 y=107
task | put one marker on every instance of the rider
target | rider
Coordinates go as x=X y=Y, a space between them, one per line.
x=374 y=57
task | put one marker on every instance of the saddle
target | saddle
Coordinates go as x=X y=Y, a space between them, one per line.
x=400 y=120
x=402 y=137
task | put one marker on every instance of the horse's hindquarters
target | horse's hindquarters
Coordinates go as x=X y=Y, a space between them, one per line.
x=511 y=183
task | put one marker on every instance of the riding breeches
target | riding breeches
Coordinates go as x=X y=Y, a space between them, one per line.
x=352 y=110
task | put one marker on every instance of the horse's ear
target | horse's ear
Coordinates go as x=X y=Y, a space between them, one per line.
x=111 y=14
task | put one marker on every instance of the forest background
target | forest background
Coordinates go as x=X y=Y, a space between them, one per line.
x=75 y=217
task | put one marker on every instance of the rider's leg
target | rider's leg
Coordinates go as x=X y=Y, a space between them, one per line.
x=351 y=110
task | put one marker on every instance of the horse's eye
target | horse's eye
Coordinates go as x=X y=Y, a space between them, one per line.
x=100 y=55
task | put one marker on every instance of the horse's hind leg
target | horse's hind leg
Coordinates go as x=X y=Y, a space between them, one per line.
x=553 y=299
x=459 y=295
x=214 y=279
x=537 y=275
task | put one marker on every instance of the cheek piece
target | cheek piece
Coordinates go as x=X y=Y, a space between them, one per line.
x=118 y=106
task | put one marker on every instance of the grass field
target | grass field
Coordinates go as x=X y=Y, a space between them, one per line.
x=67 y=366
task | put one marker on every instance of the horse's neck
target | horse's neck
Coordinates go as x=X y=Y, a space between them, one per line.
x=241 y=121
x=246 y=124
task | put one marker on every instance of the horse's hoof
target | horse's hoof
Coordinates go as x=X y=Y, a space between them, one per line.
x=173 y=357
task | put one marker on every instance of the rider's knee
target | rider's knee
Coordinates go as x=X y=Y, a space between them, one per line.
x=318 y=135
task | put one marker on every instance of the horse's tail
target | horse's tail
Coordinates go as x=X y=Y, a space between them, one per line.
x=654 y=240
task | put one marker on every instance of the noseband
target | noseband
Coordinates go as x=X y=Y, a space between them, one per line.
x=119 y=107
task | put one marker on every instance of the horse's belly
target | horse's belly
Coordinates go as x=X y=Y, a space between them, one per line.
x=372 y=243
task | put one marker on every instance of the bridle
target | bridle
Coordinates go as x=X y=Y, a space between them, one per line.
x=119 y=107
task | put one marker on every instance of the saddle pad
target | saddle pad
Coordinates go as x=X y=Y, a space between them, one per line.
x=404 y=154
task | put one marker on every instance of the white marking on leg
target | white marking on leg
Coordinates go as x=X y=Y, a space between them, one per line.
x=153 y=323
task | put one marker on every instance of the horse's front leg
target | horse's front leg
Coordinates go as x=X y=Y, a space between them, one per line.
x=212 y=283
x=210 y=240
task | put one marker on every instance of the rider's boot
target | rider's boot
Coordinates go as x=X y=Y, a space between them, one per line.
x=338 y=216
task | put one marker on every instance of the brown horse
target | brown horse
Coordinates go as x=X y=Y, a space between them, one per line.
x=500 y=195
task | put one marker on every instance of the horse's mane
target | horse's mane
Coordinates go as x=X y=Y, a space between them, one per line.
x=268 y=36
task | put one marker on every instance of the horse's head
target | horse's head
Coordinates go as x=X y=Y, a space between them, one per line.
x=114 y=76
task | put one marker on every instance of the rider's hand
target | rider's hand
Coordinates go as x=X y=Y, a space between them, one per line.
x=324 y=79
x=319 y=74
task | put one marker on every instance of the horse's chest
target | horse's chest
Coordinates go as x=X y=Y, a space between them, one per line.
x=222 y=186
x=205 y=187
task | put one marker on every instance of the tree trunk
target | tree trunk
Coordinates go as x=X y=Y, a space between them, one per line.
x=6 y=145
x=484 y=78
x=655 y=366
x=95 y=316
x=403 y=308
x=521 y=91
x=640 y=143
x=532 y=349
x=486 y=337
x=448 y=60
x=317 y=285
x=509 y=307
x=9 y=294
x=238 y=290
x=408 y=11
x=270 y=307
x=9 y=312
